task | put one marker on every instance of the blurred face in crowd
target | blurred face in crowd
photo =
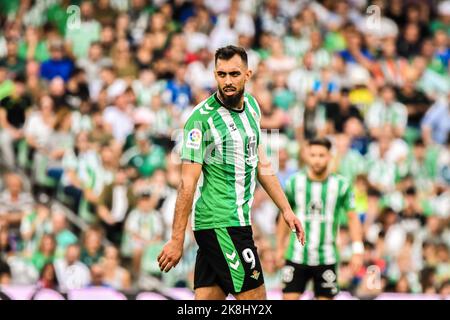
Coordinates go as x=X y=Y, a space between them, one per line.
x=316 y=40
x=283 y=158
x=56 y=52
x=121 y=177
x=48 y=273
x=47 y=245
x=296 y=26
x=389 y=49
x=56 y=87
x=11 y=48
x=231 y=76
x=108 y=157
x=97 y=275
x=72 y=254
x=419 y=152
x=427 y=49
x=318 y=159
x=158 y=22
x=32 y=69
x=58 y=222
x=388 y=95
x=82 y=142
x=122 y=102
x=46 y=104
x=440 y=38
x=107 y=35
x=384 y=141
x=311 y=101
x=342 y=143
x=95 y=52
x=308 y=60
x=111 y=256
x=144 y=203
x=13 y=184
x=412 y=33
x=434 y=224
x=107 y=75
x=87 y=10
x=93 y=240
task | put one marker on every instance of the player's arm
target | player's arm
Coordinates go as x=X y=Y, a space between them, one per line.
x=173 y=250
x=270 y=183
x=355 y=229
x=282 y=238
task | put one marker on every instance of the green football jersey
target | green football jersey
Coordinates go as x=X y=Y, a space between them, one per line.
x=318 y=205
x=225 y=142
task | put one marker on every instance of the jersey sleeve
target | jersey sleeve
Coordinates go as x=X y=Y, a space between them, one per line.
x=289 y=190
x=349 y=199
x=194 y=140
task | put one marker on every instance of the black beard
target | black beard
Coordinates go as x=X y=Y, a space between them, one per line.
x=321 y=172
x=231 y=102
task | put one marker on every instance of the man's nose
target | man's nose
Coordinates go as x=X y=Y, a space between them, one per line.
x=228 y=80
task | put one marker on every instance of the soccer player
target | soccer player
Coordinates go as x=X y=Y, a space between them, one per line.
x=222 y=159
x=318 y=198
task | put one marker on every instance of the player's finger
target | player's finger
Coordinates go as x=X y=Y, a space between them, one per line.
x=168 y=267
x=163 y=264
x=299 y=231
x=161 y=256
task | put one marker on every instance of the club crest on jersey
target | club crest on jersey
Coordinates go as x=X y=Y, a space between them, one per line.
x=255 y=274
x=194 y=139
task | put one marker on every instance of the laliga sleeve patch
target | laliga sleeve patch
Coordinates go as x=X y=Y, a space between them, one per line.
x=194 y=139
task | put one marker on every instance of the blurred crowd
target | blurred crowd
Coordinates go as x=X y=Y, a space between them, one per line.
x=93 y=95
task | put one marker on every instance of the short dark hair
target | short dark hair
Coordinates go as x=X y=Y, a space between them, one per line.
x=228 y=52
x=324 y=142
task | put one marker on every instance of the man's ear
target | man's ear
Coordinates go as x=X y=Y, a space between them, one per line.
x=248 y=74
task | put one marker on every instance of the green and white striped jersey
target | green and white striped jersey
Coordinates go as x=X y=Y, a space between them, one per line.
x=318 y=205
x=225 y=142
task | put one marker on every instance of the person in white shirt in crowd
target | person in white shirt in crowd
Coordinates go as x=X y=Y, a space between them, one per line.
x=70 y=271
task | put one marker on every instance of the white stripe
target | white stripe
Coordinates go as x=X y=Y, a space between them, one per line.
x=239 y=161
x=300 y=202
x=249 y=131
x=218 y=157
x=314 y=229
x=196 y=197
x=332 y=194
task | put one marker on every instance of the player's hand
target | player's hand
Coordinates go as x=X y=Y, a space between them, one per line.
x=170 y=255
x=356 y=262
x=294 y=225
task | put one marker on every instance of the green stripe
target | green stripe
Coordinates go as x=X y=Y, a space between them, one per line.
x=322 y=224
x=307 y=222
x=227 y=246
x=337 y=212
x=252 y=102
x=291 y=185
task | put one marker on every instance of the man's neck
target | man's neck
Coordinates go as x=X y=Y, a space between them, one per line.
x=317 y=177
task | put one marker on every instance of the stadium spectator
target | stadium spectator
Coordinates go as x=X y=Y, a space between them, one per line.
x=15 y=202
x=115 y=276
x=70 y=271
